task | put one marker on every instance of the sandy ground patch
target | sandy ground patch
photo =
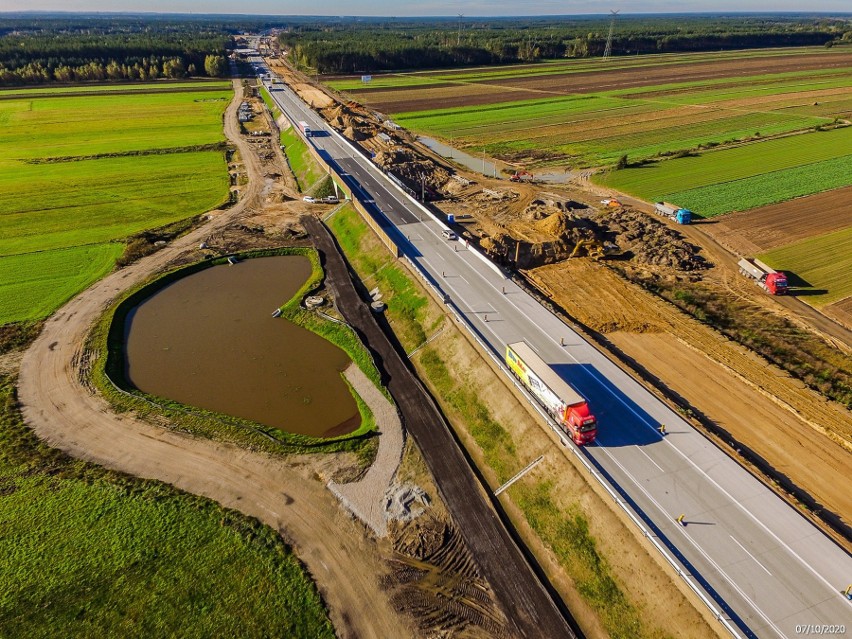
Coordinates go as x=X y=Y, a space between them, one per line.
x=795 y=430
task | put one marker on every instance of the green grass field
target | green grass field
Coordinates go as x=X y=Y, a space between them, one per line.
x=140 y=87
x=302 y=163
x=86 y=552
x=597 y=128
x=823 y=262
x=744 y=177
x=79 y=170
x=33 y=284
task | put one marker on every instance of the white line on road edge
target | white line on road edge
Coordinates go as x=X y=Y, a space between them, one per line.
x=750 y=555
x=674 y=563
x=523 y=472
x=569 y=444
x=639 y=448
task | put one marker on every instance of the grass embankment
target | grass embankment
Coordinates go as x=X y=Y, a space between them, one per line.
x=563 y=529
x=89 y=552
x=306 y=170
x=108 y=372
x=78 y=174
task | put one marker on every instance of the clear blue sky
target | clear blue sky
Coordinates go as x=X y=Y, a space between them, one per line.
x=426 y=7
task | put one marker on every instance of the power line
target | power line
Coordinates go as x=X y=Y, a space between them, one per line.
x=608 y=49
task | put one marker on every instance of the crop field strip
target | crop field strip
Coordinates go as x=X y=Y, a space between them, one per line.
x=598 y=128
x=83 y=171
x=88 y=89
x=823 y=262
x=651 y=182
x=553 y=67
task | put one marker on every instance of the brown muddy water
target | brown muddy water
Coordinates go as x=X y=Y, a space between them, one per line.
x=209 y=340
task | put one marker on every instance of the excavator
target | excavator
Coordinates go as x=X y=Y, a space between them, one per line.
x=522 y=176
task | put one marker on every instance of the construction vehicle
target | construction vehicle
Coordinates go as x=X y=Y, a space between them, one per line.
x=611 y=203
x=772 y=281
x=594 y=248
x=522 y=176
x=305 y=128
x=676 y=213
x=565 y=405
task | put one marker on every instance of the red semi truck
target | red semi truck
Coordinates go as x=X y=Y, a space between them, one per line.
x=562 y=402
x=772 y=281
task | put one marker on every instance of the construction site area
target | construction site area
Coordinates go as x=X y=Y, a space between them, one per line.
x=665 y=299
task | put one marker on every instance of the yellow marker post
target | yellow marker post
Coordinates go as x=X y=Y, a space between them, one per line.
x=680 y=519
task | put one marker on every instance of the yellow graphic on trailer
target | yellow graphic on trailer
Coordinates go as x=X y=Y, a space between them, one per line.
x=551 y=401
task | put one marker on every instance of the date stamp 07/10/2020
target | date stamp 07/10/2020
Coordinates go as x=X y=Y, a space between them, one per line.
x=821 y=629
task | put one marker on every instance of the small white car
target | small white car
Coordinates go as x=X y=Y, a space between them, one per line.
x=449 y=234
x=309 y=199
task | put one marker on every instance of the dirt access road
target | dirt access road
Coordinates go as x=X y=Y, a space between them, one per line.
x=64 y=412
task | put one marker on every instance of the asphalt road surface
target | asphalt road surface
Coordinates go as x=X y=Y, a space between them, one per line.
x=770 y=571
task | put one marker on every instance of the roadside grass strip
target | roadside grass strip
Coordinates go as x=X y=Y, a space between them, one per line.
x=564 y=529
x=302 y=163
x=33 y=284
x=766 y=188
x=90 y=552
x=823 y=262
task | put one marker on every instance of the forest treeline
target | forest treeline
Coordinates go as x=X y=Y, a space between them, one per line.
x=402 y=44
x=39 y=52
x=38 y=49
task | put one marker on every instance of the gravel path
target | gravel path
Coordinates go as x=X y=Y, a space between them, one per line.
x=365 y=498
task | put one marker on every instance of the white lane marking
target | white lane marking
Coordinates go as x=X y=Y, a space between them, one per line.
x=639 y=448
x=750 y=555
x=696 y=546
x=733 y=501
x=598 y=379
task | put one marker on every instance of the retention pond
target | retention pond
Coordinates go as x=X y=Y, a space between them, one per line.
x=209 y=340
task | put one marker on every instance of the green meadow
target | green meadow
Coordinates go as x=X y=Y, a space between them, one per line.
x=84 y=172
x=746 y=176
x=86 y=552
x=823 y=262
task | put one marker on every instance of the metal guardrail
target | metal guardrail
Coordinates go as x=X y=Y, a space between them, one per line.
x=568 y=443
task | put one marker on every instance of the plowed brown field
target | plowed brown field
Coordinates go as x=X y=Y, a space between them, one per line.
x=767 y=227
x=797 y=432
x=446 y=95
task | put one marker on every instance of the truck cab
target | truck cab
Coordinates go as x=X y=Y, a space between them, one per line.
x=776 y=283
x=583 y=425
